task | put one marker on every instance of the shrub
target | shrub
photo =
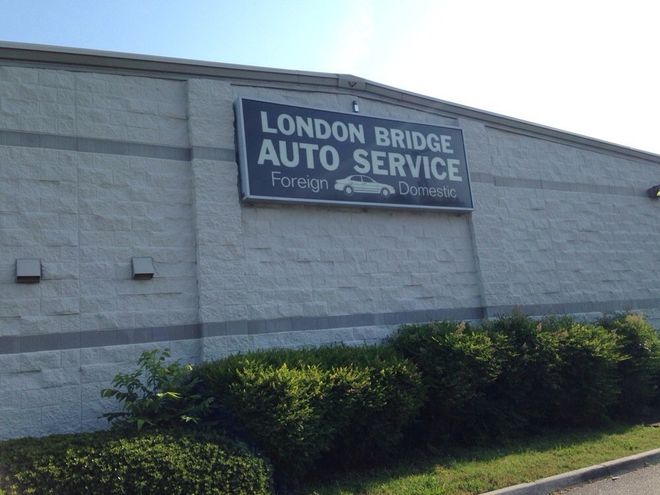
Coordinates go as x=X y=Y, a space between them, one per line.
x=639 y=369
x=526 y=393
x=588 y=379
x=515 y=374
x=555 y=372
x=281 y=409
x=458 y=365
x=328 y=403
x=155 y=462
x=156 y=394
x=374 y=393
x=380 y=394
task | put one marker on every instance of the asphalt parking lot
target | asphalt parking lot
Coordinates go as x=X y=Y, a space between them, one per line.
x=645 y=481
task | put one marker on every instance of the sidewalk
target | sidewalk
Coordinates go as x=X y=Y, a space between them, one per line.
x=549 y=485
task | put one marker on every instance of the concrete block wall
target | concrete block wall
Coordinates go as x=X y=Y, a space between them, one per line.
x=320 y=261
x=85 y=214
x=60 y=391
x=63 y=102
x=217 y=207
x=564 y=229
x=264 y=269
x=316 y=261
x=98 y=168
x=79 y=190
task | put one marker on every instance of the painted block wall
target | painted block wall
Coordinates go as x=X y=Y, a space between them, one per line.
x=85 y=215
x=98 y=168
x=60 y=391
x=332 y=261
x=561 y=226
x=265 y=263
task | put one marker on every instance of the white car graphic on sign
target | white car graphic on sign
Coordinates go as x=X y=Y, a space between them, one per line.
x=363 y=184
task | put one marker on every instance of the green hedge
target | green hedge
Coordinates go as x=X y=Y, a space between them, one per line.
x=458 y=365
x=526 y=393
x=514 y=375
x=329 y=404
x=436 y=383
x=639 y=370
x=106 y=463
x=556 y=373
x=588 y=381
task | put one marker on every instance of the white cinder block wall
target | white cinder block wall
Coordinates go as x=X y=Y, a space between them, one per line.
x=85 y=214
x=99 y=166
x=563 y=227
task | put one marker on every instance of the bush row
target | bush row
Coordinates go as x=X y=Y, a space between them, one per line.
x=431 y=384
x=435 y=383
x=515 y=375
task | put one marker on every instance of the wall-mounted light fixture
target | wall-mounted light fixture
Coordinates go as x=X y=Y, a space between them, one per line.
x=28 y=271
x=654 y=192
x=143 y=268
x=356 y=106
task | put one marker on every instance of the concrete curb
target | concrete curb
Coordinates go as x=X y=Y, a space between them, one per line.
x=553 y=483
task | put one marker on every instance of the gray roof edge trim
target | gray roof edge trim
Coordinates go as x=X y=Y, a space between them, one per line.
x=88 y=57
x=56 y=55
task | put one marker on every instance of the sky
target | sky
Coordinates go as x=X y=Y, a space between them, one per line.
x=584 y=66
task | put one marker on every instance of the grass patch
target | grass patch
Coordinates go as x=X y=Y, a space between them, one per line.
x=480 y=469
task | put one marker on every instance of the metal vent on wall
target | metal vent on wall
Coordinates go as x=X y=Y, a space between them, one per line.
x=143 y=268
x=28 y=270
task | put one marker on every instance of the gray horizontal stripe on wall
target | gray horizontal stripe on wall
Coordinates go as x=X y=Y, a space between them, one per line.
x=551 y=185
x=14 y=344
x=100 y=338
x=217 y=154
x=96 y=338
x=93 y=145
x=577 y=307
x=255 y=327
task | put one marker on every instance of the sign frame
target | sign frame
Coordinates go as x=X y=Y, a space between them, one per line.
x=249 y=198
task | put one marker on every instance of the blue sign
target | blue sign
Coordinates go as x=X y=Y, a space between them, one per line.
x=304 y=155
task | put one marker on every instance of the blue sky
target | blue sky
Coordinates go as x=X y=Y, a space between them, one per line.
x=585 y=66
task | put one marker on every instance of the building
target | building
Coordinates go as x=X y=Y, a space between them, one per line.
x=114 y=167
